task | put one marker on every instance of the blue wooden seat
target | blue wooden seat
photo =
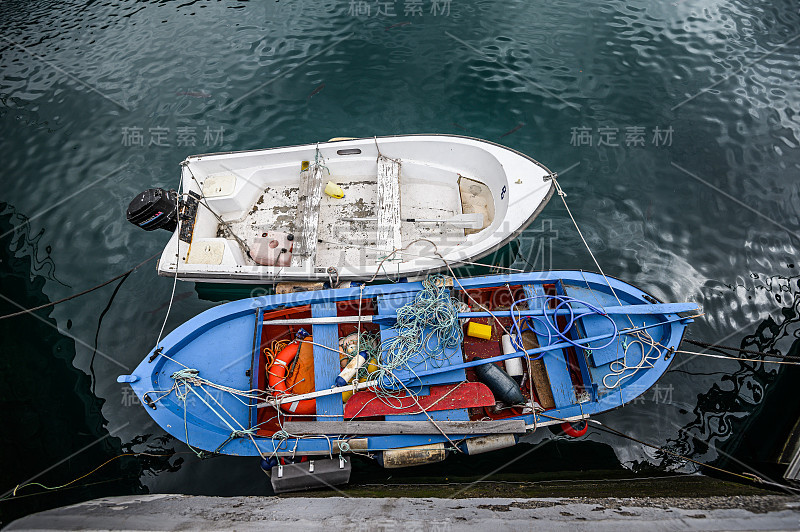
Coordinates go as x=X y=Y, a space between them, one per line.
x=326 y=362
x=595 y=325
x=555 y=361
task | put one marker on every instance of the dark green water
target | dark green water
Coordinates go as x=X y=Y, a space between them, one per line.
x=696 y=201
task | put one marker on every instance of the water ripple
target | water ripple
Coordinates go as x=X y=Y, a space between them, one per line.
x=548 y=67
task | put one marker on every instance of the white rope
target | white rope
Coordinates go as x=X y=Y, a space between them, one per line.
x=619 y=368
x=177 y=256
x=169 y=307
x=563 y=195
x=712 y=355
x=358 y=333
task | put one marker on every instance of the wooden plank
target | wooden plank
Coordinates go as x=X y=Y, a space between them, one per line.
x=388 y=208
x=390 y=318
x=576 y=357
x=389 y=303
x=555 y=361
x=290 y=287
x=541 y=384
x=307 y=222
x=503 y=426
x=326 y=362
x=256 y=376
x=453 y=414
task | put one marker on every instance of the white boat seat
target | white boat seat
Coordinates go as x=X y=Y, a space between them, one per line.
x=307 y=221
x=388 y=207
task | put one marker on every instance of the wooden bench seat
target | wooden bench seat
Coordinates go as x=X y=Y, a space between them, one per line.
x=563 y=392
x=388 y=206
x=307 y=221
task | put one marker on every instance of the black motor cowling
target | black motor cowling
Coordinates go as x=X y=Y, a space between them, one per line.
x=155 y=208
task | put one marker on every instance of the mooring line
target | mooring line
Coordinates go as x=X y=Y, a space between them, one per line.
x=73 y=296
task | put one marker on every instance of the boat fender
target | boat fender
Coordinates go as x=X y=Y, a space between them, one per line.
x=499 y=382
x=513 y=365
x=350 y=370
x=372 y=366
x=346 y=395
x=293 y=459
x=316 y=473
x=412 y=456
x=268 y=463
x=576 y=429
x=484 y=444
x=277 y=381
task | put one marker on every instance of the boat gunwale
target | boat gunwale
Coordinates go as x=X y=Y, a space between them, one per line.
x=467 y=137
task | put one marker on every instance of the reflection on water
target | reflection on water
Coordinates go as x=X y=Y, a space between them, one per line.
x=54 y=429
x=22 y=241
x=723 y=430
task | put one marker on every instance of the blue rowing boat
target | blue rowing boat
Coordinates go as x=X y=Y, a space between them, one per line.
x=408 y=372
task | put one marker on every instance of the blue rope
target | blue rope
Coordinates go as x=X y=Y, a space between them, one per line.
x=551 y=327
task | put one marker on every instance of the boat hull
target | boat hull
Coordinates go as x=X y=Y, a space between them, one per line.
x=262 y=192
x=498 y=261
x=224 y=344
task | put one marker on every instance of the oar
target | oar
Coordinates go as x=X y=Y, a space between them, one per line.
x=472 y=220
x=660 y=308
x=465 y=221
x=369 y=384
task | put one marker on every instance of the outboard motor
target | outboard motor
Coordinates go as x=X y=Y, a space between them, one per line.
x=155 y=208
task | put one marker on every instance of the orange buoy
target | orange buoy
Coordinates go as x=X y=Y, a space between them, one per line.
x=278 y=378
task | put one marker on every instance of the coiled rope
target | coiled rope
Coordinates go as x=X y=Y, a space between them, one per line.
x=563 y=302
x=426 y=329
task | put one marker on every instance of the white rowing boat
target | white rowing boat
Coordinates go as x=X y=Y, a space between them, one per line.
x=410 y=202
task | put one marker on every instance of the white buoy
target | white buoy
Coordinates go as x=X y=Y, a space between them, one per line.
x=350 y=370
x=513 y=365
